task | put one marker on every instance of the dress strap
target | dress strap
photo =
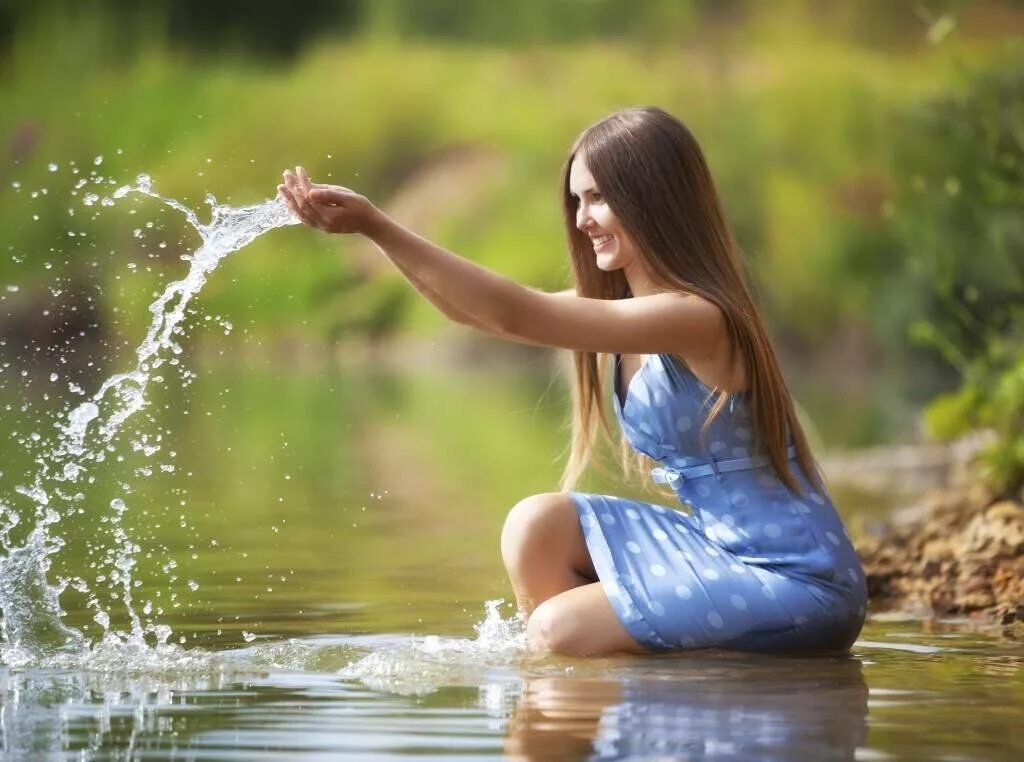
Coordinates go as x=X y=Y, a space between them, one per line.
x=669 y=475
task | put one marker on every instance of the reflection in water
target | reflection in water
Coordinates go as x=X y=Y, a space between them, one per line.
x=117 y=706
x=285 y=699
x=292 y=700
x=728 y=709
x=44 y=713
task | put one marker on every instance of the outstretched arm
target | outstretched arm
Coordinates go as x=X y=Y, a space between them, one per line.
x=449 y=310
x=296 y=193
x=469 y=293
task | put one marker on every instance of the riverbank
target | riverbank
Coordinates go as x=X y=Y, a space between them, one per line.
x=957 y=552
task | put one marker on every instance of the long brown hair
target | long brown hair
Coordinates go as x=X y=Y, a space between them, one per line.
x=653 y=175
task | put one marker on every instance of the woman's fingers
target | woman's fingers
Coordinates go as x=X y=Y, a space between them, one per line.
x=303 y=183
x=300 y=190
x=327 y=196
x=294 y=185
x=285 y=193
x=292 y=193
x=289 y=181
x=304 y=211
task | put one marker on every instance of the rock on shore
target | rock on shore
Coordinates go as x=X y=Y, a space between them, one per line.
x=961 y=555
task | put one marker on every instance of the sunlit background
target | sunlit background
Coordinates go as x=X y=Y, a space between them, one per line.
x=865 y=152
x=339 y=457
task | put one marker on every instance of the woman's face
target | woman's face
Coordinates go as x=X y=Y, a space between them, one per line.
x=613 y=248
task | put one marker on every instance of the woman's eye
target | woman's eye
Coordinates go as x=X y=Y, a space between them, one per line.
x=597 y=198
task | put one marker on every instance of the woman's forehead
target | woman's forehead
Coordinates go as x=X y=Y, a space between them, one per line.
x=580 y=179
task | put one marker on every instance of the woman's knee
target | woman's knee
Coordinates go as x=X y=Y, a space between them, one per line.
x=533 y=520
x=548 y=631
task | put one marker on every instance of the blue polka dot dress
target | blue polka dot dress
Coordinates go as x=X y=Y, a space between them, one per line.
x=752 y=565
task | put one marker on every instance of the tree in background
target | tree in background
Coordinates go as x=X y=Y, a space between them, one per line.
x=960 y=218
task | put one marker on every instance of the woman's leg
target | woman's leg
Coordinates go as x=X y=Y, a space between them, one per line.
x=543 y=548
x=579 y=622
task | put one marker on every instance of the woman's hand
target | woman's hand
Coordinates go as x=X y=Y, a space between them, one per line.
x=330 y=208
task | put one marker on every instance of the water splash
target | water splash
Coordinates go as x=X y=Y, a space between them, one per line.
x=421 y=665
x=115 y=678
x=32 y=629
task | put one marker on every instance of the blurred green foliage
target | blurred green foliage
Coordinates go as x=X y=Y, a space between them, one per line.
x=798 y=109
x=960 y=220
x=277 y=30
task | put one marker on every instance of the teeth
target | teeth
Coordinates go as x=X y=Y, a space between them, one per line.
x=602 y=240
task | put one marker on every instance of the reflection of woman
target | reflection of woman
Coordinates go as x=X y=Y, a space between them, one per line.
x=708 y=710
x=761 y=561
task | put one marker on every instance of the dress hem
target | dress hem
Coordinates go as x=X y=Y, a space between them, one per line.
x=621 y=599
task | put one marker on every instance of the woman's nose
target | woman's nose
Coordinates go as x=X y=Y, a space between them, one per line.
x=583 y=218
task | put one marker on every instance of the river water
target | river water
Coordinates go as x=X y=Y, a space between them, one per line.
x=315 y=575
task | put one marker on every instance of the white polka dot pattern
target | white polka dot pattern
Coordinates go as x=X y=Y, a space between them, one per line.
x=751 y=556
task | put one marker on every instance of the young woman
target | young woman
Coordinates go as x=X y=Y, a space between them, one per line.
x=760 y=560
